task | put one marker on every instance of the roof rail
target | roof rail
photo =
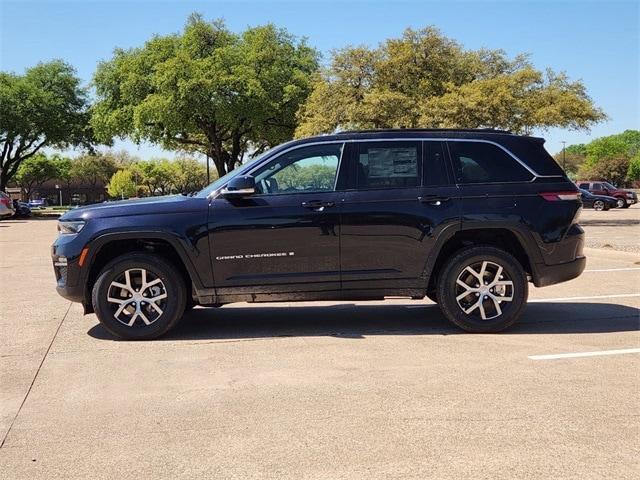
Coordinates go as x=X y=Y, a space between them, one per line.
x=389 y=130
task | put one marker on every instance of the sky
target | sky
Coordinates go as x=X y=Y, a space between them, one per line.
x=595 y=41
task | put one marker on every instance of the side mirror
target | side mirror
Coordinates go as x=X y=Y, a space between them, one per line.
x=238 y=187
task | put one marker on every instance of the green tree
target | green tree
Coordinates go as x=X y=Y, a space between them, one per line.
x=34 y=172
x=633 y=172
x=425 y=79
x=626 y=144
x=613 y=169
x=189 y=175
x=571 y=159
x=93 y=169
x=63 y=166
x=122 y=184
x=157 y=174
x=206 y=90
x=45 y=107
x=609 y=158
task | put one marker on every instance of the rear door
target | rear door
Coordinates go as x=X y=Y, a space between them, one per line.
x=398 y=198
x=597 y=188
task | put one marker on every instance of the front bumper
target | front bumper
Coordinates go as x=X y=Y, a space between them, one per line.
x=65 y=254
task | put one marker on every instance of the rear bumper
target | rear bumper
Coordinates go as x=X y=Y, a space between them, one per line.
x=552 y=274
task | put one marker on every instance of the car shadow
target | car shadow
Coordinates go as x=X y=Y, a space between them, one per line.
x=358 y=321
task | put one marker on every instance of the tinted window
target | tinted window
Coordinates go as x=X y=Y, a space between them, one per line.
x=597 y=186
x=435 y=167
x=584 y=186
x=387 y=165
x=479 y=162
x=306 y=169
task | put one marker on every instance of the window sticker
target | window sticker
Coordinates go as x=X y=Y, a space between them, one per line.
x=392 y=162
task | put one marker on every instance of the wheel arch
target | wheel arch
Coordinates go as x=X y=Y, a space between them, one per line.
x=508 y=239
x=106 y=247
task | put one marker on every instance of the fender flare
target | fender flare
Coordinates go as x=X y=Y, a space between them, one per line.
x=97 y=243
x=526 y=240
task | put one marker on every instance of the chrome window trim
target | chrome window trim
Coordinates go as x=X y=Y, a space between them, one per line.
x=535 y=175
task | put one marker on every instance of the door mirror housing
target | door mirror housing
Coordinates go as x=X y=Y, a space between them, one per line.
x=238 y=187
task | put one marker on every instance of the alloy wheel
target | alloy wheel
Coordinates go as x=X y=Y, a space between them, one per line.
x=598 y=205
x=620 y=202
x=482 y=289
x=137 y=296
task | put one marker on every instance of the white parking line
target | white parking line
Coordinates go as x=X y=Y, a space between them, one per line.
x=584 y=354
x=593 y=297
x=612 y=269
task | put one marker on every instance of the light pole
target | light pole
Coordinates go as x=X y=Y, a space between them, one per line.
x=60 y=191
x=564 y=156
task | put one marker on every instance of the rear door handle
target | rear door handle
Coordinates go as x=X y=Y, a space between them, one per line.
x=318 y=205
x=433 y=199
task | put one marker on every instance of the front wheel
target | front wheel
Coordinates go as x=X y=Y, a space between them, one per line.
x=482 y=289
x=621 y=203
x=139 y=296
x=598 y=205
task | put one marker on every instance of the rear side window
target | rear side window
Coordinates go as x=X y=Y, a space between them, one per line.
x=480 y=162
x=584 y=186
x=388 y=165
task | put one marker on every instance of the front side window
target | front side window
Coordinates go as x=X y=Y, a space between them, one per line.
x=303 y=170
x=387 y=165
x=480 y=162
x=584 y=186
x=597 y=186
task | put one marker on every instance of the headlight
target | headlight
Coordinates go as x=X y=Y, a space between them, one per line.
x=70 y=228
x=630 y=194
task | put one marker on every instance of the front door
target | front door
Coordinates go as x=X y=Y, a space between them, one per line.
x=285 y=237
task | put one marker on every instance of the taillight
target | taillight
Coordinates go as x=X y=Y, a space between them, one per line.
x=557 y=196
x=5 y=201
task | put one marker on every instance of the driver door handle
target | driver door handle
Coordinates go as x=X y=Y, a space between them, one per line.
x=318 y=205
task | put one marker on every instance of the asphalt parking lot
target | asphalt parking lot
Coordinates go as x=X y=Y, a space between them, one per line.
x=325 y=390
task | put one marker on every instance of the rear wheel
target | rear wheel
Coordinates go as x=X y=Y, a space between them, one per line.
x=599 y=205
x=139 y=296
x=482 y=289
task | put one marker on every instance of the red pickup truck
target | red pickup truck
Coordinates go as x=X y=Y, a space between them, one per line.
x=625 y=198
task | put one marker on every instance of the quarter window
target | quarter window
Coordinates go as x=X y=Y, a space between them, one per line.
x=388 y=165
x=479 y=162
x=303 y=170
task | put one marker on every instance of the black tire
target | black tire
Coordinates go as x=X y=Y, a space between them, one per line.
x=599 y=205
x=621 y=202
x=171 y=285
x=626 y=205
x=432 y=295
x=447 y=290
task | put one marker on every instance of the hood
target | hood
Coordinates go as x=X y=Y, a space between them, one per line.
x=136 y=206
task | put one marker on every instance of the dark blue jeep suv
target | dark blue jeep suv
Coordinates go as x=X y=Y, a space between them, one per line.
x=464 y=217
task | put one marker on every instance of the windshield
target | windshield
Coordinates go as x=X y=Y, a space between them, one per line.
x=225 y=178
